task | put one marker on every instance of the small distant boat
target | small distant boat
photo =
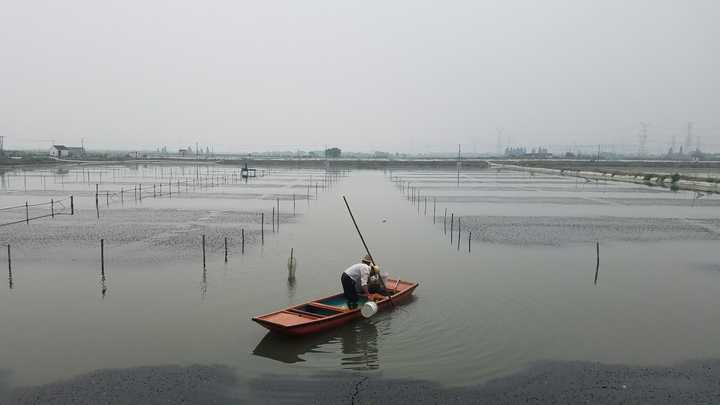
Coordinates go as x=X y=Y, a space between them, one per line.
x=329 y=312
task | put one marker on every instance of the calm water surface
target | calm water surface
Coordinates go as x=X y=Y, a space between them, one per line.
x=525 y=292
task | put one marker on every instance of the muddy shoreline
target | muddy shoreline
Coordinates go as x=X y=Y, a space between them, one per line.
x=692 y=382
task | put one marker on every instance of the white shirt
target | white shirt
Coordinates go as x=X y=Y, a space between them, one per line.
x=359 y=273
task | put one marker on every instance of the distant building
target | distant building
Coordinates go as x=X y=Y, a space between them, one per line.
x=515 y=152
x=183 y=152
x=522 y=153
x=62 y=151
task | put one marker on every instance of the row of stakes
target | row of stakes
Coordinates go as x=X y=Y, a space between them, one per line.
x=275 y=220
x=208 y=180
x=158 y=192
x=137 y=192
x=413 y=195
x=275 y=228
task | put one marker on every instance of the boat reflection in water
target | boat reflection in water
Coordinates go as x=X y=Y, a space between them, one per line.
x=358 y=342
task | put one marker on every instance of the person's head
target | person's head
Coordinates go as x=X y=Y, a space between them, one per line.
x=366 y=259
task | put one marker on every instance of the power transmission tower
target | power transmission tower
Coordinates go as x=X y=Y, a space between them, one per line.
x=642 y=138
x=499 y=147
x=688 y=137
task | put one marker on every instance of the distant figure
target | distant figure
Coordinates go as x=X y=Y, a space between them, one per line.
x=354 y=281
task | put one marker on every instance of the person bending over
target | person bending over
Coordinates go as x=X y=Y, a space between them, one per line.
x=354 y=281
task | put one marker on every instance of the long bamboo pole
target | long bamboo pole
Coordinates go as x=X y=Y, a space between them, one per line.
x=358 y=230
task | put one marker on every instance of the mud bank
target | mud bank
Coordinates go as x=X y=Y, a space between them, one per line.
x=693 y=382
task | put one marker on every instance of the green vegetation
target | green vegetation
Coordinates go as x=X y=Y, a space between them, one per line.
x=333 y=153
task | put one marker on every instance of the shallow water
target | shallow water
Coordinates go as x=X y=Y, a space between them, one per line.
x=525 y=292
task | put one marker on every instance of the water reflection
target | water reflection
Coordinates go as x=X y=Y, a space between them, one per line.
x=103 y=286
x=358 y=343
x=203 y=284
x=292 y=287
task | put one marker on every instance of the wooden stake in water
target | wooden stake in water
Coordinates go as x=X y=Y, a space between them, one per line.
x=203 y=250
x=102 y=255
x=597 y=263
x=469 y=240
x=273 y=219
x=262 y=228
x=291 y=266
x=434 y=206
x=226 y=249
x=445 y=222
x=97 y=202
x=425 y=205
x=242 y=233
x=458 y=238
x=52 y=208
x=293 y=203
x=452 y=222
x=140 y=192
x=72 y=205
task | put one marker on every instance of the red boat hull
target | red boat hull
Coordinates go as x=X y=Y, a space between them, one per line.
x=329 y=312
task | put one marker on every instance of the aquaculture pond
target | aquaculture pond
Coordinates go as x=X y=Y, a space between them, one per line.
x=520 y=287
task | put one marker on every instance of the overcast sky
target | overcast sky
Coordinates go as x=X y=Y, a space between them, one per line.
x=364 y=75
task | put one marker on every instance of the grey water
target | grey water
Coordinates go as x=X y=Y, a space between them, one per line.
x=524 y=292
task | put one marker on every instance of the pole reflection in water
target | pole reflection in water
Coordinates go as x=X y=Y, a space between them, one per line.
x=358 y=342
x=103 y=286
x=203 y=284
x=292 y=287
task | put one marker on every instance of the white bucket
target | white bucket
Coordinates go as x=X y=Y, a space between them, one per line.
x=369 y=309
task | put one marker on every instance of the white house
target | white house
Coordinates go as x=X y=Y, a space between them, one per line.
x=62 y=151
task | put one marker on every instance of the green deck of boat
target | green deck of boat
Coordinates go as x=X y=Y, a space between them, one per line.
x=341 y=301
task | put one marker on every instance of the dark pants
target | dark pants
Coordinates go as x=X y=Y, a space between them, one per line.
x=349 y=290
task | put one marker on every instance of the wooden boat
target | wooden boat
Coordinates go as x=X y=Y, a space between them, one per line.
x=330 y=312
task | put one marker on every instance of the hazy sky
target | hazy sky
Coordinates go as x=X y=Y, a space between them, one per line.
x=364 y=75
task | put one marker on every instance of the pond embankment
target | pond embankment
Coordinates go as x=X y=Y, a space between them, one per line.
x=342 y=163
x=693 y=176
